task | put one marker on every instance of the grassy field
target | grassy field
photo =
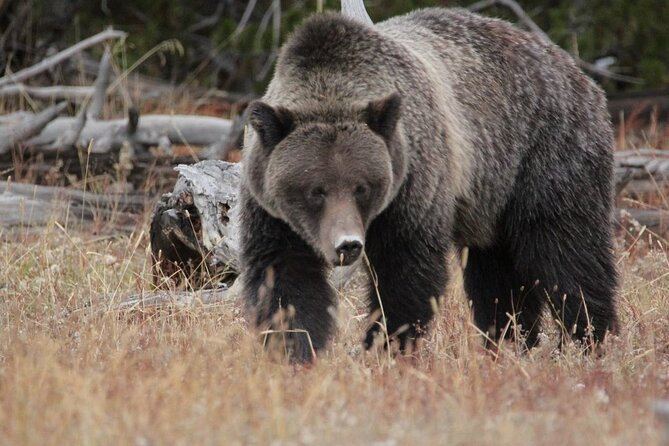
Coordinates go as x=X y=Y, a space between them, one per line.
x=74 y=370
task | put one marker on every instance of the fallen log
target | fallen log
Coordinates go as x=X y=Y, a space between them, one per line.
x=194 y=232
x=639 y=171
x=71 y=93
x=27 y=205
x=112 y=134
x=656 y=220
x=14 y=133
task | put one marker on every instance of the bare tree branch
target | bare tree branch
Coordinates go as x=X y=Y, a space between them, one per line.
x=245 y=18
x=532 y=26
x=276 y=36
x=355 y=9
x=49 y=62
x=94 y=109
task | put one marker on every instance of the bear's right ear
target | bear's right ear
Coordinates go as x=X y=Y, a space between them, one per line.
x=272 y=124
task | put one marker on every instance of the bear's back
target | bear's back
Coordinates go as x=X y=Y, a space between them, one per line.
x=478 y=95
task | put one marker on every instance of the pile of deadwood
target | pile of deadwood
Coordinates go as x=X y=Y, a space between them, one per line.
x=193 y=230
x=36 y=145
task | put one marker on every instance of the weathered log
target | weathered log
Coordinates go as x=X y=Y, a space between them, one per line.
x=641 y=170
x=194 y=228
x=151 y=131
x=54 y=92
x=228 y=142
x=657 y=220
x=16 y=132
x=27 y=205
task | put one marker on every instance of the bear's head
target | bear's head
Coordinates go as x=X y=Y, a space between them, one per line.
x=326 y=174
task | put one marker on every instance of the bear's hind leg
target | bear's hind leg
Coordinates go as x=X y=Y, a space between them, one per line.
x=502 y=306
x=572 y=261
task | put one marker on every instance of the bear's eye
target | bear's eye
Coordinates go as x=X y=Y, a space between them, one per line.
x=317 y=192
x=316 y=196
x=361 y=190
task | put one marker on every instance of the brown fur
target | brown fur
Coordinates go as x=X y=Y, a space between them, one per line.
x=461 y=131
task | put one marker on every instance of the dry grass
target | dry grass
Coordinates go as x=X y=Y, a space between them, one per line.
x=74 y=371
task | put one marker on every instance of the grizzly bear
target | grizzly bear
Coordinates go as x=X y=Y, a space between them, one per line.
x=435 y=131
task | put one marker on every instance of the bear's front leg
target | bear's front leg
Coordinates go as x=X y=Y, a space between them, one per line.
x=284 y=285
x=409 y=274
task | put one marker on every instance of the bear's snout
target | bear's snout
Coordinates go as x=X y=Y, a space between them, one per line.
x=348 y=249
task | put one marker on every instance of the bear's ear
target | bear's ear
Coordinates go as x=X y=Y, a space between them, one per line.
x=272 y=124
x=382 y=115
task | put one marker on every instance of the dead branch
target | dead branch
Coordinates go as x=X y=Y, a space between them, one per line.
x=54 y=92
x=70 y=136
x=179 y=300
x=94 y=110
x=208 y=21
x=532 y=26
x=276 y=37
x=15 y=133
x=57 y=58
x=250 y=6
x=355 y=9
x=234 y=139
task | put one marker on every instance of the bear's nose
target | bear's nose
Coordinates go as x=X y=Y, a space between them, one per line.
x=348 y=250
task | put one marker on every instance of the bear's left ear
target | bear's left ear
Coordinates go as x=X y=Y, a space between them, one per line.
x=382 y=115
x=272 y=124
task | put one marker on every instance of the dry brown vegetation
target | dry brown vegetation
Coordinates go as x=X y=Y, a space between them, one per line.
x=73 y=370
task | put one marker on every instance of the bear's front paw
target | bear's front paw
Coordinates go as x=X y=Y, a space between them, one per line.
x=284 y=340
x=292 y=344
x=406 y=336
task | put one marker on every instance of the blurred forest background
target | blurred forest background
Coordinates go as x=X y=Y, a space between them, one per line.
x=231 y=45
